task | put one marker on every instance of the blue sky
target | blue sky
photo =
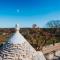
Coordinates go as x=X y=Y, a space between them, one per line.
x=28 y=12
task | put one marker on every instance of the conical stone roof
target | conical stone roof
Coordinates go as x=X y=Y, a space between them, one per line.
x=17 y=48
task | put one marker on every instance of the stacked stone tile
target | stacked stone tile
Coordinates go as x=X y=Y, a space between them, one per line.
x=22 y=51
x=16 y=52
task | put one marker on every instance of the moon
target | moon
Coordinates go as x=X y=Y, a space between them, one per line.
x=18 y=10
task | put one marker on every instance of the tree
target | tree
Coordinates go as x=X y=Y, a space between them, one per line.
x=34 y=26
x=53 y=24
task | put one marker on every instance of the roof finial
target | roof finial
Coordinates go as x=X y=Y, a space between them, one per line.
x=17 y=27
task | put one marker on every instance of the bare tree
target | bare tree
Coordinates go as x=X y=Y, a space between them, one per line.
x=53 y=24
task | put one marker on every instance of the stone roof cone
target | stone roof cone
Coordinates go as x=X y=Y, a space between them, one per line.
x=18 y=48
x=17 y=38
